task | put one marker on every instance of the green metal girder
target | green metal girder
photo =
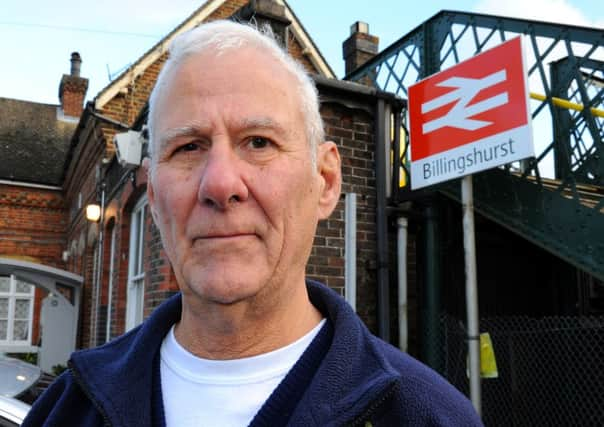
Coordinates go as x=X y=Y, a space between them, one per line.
x=561 y=225
x=566 y=125
x=444 y=19
x=553 y=216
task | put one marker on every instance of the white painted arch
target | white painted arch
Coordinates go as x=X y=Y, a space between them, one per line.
x=59 y=317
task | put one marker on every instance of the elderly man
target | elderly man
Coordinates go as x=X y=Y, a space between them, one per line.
x=239 y=176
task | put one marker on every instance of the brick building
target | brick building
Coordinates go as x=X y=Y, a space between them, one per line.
x=125 y=273
x=34 y=146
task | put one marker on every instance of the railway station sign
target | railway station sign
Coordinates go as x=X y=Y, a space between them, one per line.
x=470 y=117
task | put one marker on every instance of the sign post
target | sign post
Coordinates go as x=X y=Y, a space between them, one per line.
x=467 y=201
x=468 y=118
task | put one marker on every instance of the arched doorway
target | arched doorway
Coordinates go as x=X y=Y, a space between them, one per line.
x=60 y=308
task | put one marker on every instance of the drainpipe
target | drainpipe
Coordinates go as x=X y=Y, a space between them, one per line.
x=381 y=139
x=402 y=282
x=99 y=270
x=350 y=249
x=431 y=293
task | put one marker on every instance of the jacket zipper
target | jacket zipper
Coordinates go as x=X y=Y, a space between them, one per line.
x=95 y=403
x=362 y=420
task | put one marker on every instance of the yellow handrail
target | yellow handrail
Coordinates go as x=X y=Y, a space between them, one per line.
x=567 y=104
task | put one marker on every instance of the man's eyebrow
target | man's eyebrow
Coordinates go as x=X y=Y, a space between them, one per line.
x=262 y=123
x=197 y=129
x=172 y=133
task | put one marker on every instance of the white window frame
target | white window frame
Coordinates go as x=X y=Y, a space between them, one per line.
x=12 y=295
x=135 y=294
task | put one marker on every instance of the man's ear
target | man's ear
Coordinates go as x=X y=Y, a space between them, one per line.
x=150 y=190
x=329 y=168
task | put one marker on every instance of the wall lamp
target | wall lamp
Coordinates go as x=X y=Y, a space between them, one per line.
x=93 y=212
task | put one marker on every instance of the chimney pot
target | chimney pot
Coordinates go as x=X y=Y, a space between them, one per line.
x=76 y=62
x=359 y=27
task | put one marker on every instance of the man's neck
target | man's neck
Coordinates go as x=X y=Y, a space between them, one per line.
x=234 y=331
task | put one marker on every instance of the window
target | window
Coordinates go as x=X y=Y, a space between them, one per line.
x=136 y=273
x=16 y=311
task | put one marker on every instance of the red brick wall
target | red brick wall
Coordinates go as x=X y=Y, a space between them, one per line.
x=122 y=210
x=87 y=295
x=295 y=50
x=126 y=105
x=32 y=224
x=81 y=176
x=352 y=131
x=32 y=228
x=160 y=282
x=73 y=103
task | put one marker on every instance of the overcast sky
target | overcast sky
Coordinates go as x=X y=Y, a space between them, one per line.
x=38 y=36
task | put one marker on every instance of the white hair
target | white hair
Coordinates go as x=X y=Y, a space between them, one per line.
x=221 y=37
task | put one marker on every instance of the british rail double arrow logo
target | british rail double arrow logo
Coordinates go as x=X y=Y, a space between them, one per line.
x=470 y=117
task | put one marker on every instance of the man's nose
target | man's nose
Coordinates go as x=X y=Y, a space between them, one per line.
x=222 y=184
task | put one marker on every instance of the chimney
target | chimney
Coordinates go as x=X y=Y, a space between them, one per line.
x=76 y=62
x=360 y=47
x=72 y=89
x=264 y=12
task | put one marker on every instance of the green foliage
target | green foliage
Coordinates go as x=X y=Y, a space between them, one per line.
x=58 y=369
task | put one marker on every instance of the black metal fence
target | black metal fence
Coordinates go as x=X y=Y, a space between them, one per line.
x=551 y=370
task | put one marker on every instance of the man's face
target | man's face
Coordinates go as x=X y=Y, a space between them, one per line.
x=232 y=188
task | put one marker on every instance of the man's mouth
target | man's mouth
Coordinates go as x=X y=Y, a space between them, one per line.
x=225 y=236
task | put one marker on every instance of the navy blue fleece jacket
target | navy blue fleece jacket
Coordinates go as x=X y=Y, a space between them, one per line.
x=356 y=379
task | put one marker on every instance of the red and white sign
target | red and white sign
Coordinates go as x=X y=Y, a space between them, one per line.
x=470 y=117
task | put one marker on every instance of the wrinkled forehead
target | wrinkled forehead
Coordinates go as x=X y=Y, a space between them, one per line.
x=247 y=69
x=229 y=70
x=253 y=63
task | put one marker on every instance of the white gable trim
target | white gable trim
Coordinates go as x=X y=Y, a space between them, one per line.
x=153 y=55
x=116 y=86
x=314 y=55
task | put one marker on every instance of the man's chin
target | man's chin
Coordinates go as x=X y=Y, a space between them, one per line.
x=221 y=291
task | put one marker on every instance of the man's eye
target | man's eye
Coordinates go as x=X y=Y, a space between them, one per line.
x=258 y=142
x=188 y=147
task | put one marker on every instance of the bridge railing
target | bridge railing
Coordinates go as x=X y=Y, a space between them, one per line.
x=566 y=81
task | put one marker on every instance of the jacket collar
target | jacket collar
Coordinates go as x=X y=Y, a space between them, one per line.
x=118 y=376
x=355 y=371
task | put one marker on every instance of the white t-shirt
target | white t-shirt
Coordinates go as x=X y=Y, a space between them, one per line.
x=227 y=393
